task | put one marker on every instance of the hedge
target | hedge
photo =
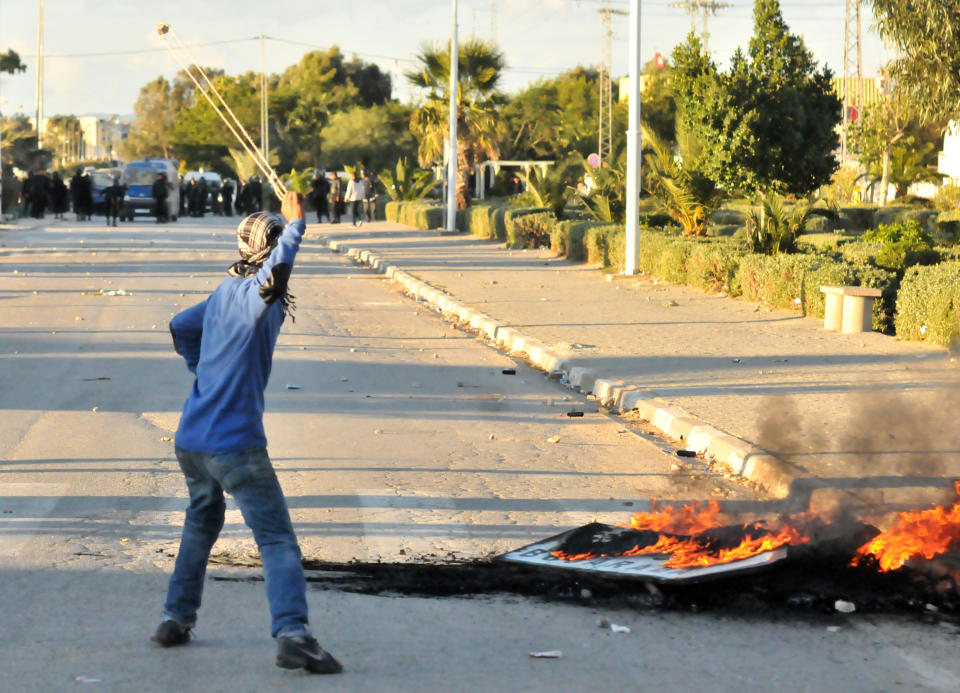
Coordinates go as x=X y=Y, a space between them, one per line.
x=531 y=230
x=928 y=303
x=712 y=266
x=421 y=214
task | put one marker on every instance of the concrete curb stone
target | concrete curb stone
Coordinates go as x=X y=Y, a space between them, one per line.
x=742 y=458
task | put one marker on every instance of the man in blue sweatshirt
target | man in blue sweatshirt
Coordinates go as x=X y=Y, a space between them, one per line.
x=227 y=342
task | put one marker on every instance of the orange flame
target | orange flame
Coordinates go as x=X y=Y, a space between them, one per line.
x=689 y=551
x=915 y=534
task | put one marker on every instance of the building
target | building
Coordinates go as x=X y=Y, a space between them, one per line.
x=98 y=138
x=948 y=161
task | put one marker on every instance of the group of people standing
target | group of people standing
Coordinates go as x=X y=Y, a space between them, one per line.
x=196 y=193
x=41 y=192
x=330 y=196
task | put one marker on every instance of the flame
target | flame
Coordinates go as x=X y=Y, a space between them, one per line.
x=915 y=534
x=692 y=518
x=689 y=550
x=691 y=553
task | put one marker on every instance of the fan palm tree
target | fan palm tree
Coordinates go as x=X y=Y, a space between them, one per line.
x=687 y=195
x=478 y=70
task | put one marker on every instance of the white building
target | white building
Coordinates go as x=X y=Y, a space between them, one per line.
x=948 y=162
x=100 y=138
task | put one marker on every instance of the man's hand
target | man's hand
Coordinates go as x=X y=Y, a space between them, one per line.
x=292 y=207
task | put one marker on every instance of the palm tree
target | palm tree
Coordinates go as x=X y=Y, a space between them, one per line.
x=687 y=195
x=478 y=71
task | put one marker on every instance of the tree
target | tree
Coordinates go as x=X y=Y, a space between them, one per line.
x=553 y=118
x=891 y=142
x=200 y=136
x=373 y=137
x=10 y=62
x=64 y=137
x=770 y=120
x=406 y=184
x=479 y=66
x=157 y=108
x=675 y=180
x=658 y=108
x=924 y=32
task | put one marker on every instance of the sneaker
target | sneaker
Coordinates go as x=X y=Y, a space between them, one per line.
x=303 y=652
x=170 y=633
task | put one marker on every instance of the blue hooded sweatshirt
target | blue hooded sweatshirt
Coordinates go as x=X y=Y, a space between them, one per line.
x=227 y=341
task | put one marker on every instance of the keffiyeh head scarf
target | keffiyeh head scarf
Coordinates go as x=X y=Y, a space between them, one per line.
x=257 y=236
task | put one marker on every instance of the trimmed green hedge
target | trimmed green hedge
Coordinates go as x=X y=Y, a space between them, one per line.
x=928 y=303
x=420 y=214
x=531 y=230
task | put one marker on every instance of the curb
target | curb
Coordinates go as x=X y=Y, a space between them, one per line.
x=739 y=456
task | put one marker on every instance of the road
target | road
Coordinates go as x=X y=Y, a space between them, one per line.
x=400 y=440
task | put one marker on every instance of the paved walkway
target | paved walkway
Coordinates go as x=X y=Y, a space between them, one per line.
x=865 y=413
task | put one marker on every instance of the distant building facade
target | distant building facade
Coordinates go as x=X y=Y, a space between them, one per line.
x=99 y=138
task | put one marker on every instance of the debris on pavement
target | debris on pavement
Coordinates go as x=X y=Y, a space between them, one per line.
x=548 y=654
x=90 y=380
x=844 y=607
x=607 y=624
x=553 y=439
x=86 y=679
x=574 y=414
x=293 y=386
x=509 y=371
x=166 y=439
x=686 y=453
x=833 y=629
x=377 y=431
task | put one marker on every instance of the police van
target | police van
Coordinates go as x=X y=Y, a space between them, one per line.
x=138 y=177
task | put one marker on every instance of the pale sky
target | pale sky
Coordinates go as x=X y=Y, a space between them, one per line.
x=538 y=37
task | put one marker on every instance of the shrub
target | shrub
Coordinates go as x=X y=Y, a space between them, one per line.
x=777 y=280
x=566 y=239
x=651 y=246
x=928 y=303
x=902 y=245
x=947 y=198
x=392 y=210
x=857 y=218
x=860 y=252
x=672 y=263
x=728 y=217
x=530 y=230
x=603 y=246
x=948 y=230
x=713 y=266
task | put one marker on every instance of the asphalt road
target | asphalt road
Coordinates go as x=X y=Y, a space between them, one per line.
x=402 y=440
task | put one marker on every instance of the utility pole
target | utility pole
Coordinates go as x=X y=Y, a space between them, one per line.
x=605 y=125
x=39 y=74
x=706 y=8
x=852 y=72
x=451 y=226
x=264 y=117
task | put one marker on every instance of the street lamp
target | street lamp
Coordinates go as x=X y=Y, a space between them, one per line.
x=634 y=146
x=452 y=162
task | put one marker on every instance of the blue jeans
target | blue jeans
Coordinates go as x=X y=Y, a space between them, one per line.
x=248 y=476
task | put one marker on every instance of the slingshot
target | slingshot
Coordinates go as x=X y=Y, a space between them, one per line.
x=232 y=122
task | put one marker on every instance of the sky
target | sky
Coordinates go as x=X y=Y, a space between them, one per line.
x=539 y=38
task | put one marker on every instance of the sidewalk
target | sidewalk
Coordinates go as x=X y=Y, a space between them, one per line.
x=867 y=415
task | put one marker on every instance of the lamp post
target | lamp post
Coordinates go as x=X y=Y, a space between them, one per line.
x=451 y=226
x=634 y=146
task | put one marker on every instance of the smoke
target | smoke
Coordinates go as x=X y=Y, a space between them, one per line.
x=877 y=449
